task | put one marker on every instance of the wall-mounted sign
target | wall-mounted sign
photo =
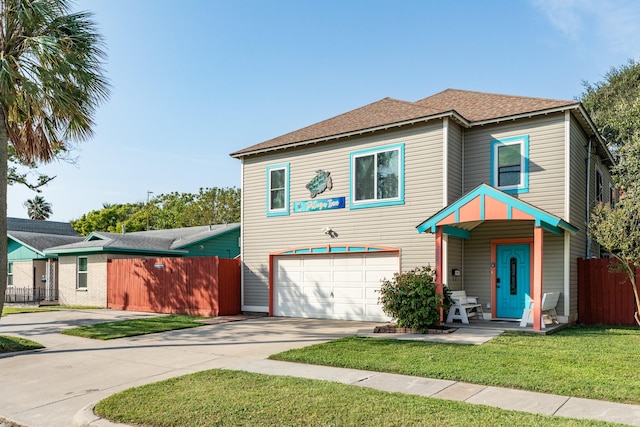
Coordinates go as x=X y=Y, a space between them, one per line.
x=319 y=205
x=322 y=181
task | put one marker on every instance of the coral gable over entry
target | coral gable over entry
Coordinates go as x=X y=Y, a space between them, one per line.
x=485 y=203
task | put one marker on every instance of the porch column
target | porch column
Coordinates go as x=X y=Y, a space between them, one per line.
x=439 y=266
x=538 y=245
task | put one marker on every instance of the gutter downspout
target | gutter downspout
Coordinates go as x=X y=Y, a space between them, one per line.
x=588 y=200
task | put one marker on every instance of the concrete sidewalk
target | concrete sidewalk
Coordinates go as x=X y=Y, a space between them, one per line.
x=58 y=386
x=518 y=400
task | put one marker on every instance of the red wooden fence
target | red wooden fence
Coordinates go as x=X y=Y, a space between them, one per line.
x=605 y=295
x=204 y=286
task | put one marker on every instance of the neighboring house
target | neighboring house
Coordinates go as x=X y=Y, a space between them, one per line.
x=83 y=265
x=32 y=274
x=493 y=191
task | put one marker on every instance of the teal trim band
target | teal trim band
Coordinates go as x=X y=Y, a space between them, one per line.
x=456 y=232
x=321 y=250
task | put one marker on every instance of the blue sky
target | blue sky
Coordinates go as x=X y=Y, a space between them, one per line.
x=195 y=80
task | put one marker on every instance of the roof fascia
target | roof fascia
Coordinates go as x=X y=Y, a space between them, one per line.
x=108 y=250
x=25 y=245
x=222 y=233
x=451 y=113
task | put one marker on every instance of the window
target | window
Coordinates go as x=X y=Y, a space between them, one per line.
x=377 y=177
x=510 y=164
x=278 y=190
x=82 y=273
x=599 y=186
x=10 y=274
x=612 y=196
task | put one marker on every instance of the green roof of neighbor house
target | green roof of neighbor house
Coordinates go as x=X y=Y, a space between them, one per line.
x=153 y=242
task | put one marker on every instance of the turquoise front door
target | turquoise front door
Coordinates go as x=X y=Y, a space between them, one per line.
x=513 y=279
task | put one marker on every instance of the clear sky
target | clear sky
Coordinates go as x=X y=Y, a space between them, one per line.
x=195 y=80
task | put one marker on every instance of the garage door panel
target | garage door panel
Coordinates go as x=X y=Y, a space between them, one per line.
x=312 y=292
x=289 y=293
x=348 y=311
x=317 y=276
x=349 y=261
x=374 y=313
x=317 y=261
x=348 y=276
x=350 y=293
x=381 y=260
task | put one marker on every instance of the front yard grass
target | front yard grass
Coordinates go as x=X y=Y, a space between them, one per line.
x=590 y=362
x=12 y=344
x=133 y=327
x=234 y=398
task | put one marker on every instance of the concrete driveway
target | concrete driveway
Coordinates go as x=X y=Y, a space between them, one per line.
x=48 y=387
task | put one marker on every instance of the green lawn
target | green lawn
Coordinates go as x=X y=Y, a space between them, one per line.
x=129 y=328
x=595 y=363
x=233 y=398
x=12 y=344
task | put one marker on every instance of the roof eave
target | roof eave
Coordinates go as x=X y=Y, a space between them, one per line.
x=451 y=113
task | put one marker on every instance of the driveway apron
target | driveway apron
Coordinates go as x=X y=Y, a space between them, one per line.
x=48 y=387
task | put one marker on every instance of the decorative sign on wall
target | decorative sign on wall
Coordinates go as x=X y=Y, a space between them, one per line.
x=319 y=205
x=322 y=181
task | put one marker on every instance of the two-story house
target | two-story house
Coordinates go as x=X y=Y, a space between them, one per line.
x=492 y=191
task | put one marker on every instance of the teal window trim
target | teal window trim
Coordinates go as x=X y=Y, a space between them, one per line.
x=82 y=273
x=10 y=274
x=523 y=140
x=285 y=210
x=353 y=204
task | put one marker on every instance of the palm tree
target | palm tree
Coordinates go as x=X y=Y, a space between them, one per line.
x=51 y=83
x=38 y=208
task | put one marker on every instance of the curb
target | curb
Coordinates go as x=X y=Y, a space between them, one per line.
x=85 y=417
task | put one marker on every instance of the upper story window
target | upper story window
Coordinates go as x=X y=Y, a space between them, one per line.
x=278 y=189
x=377 y=177
x=599 y=190
x=10 y=274
x=612 y=196
x=83 y=268
x=510 y=164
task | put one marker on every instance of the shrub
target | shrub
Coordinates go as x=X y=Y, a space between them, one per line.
x=412 y=300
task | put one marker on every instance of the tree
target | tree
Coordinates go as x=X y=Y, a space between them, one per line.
x=51 y=83
x=38 y=208
x=172 y=210
x=614 y=104
x=617 y=227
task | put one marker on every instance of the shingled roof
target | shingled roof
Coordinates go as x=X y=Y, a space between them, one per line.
x=467 y=106
x=44 y=227
x=481 y=106
x=170 y=241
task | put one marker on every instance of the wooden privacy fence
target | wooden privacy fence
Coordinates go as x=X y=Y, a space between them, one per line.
x=203 y=286
x=605 y=295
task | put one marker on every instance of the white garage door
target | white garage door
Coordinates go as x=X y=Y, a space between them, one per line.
x=332 y=286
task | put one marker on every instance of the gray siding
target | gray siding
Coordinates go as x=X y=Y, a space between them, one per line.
x=392 y=226
x=455 y=260
x=546 y=158
x=454 y=160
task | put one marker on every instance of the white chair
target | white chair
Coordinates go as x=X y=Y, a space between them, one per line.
x=549 y=302
x=463 y=307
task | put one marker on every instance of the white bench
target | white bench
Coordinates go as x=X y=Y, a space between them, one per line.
x=463 y=307
x=549 y=302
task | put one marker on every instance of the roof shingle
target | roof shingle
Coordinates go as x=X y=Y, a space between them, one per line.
x=472 y=106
